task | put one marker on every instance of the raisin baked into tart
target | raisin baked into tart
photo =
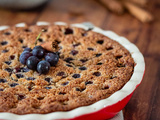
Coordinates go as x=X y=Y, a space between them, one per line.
x=79 y=69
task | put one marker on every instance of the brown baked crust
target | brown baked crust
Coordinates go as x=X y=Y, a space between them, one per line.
x=108 y=67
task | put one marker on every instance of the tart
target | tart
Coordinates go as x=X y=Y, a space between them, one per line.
x=94 y=71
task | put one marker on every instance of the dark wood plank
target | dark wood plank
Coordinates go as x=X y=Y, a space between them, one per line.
x=149 y=39
x=155 y=111
x=11 y=17
x=72 y=11
x=145 y=102
x=124 y=25
x=140 y=105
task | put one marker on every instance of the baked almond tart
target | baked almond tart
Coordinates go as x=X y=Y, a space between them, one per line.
x=94 y=78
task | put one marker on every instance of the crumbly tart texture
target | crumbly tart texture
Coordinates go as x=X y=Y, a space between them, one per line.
x=91 y=67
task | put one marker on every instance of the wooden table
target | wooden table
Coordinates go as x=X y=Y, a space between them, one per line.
x=145 y=102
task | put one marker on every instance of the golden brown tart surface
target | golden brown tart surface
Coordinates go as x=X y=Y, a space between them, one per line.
x=91 y=67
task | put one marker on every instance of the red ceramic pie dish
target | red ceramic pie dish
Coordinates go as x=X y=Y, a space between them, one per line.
x=105 y=108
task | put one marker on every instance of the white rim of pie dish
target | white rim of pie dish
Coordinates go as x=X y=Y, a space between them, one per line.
x=126 y=90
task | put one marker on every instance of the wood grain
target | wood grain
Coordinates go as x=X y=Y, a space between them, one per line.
x=145 y=102
x=74 y=12
x=12 y=16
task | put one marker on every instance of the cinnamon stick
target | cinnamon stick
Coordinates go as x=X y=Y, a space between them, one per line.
x=138 y=12
x=114 y=6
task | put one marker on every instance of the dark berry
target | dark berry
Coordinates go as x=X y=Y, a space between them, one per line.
x=47 y=79
x=40 y=98
x=68 y=31
x=20 y=40
x=40 y=40
x=88 y=82
x=38 y=51
x=44 y=30
x=83 y=68
x=97 y=73
x=76 y=76
x=99 y=63
x=109 y=48
x=4 y=43
x=28 y=49
x=32 y=62
x=17 y=69
x=61 y=93
x=19 y=75
x=20 y=97
x=83 y=60
x=90 y=49
x=9 y=70
x=84 y=34
x=1 y=89
x=38 y=47
x=74 y=52
x=8 y=62
x=3 y=80
x=78 y=89
x=24 y=56
x=52 y=58
x=27 y=30
x=68 y=60
x=29 y=88
x=12 y=57
x=69 y=65
x=100 y=42
x=24 y=69
x=48 y=88
x=99 y=54
x=65 y=83
x=30 y=78
x=13 y=84
x=4 y=51
x=7 y=33
x=118 y=57
x=75 y=45
x=24 y=46
x=43 y=67
x=61 y=74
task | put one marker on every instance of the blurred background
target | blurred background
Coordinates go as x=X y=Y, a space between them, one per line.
x=137 y=20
